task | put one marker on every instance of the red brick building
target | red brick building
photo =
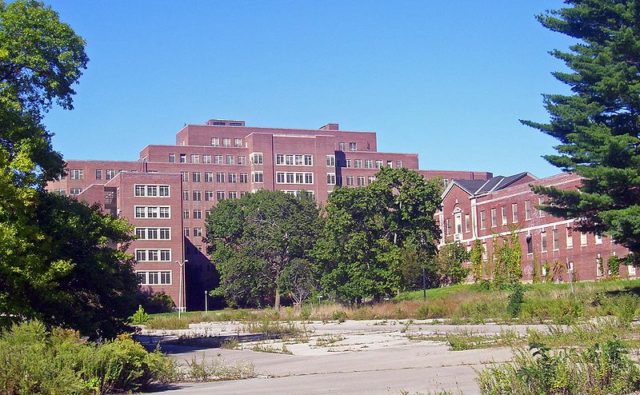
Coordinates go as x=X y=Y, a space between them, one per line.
x=487 y=210
x=166 y=193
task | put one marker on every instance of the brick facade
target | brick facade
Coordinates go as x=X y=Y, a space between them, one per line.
x=472 y=212
x=224 y=159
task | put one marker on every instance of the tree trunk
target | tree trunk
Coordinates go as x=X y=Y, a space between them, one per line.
x=276 y=304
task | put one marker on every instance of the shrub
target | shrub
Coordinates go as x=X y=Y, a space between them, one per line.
x=339 y=316
x=601 y=369
x=140 y=317
x=35 y=361
x=515 y=300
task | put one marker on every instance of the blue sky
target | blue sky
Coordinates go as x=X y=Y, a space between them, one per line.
x=445 y=79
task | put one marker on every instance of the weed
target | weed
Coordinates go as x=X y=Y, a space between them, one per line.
x=263 y=347
x=327 y=340
x=217 y=369
x=339 y=316
x=140 y=317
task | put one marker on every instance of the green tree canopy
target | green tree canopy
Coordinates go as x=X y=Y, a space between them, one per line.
x=371 y=232
x=255 y=238
x=598 y=124
x=58 y=257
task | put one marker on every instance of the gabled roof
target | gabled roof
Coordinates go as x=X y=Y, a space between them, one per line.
x=481 y=187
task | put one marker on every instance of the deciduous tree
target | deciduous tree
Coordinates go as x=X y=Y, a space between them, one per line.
x=255 y=238
x=369 y=232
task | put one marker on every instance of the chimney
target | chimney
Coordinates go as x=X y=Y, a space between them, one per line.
x=331 y=126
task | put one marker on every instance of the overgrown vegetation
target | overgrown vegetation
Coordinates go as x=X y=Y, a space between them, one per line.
x=464 y=303
x=604 y=368
x=35 y=361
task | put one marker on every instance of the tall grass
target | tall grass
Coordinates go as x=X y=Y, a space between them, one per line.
x=465 y=303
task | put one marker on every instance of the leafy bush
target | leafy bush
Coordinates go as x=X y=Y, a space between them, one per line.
x=35 y=361
x=601 y=369
x=140 y=317
x=515 y=300
x=339 y=316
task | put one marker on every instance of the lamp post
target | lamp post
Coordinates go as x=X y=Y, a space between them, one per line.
x=205 y=301
x=181 y=287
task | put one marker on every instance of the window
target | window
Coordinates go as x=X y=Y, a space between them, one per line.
x=183 y=158
x=185 y=231
x=279 y=159
x=208 y=196
x=215 y=141
x=153 y=255
x=195 y=177
x=599 y=268
x=349 y=180
x=371 y=179
x=493 y=218
x=233 y=195
x=529 y=244
x=185 y=214
x=242 y=160
x=485 y=256
x=77 y=174
x=360 y=181
x=226 y=142
x=543 y=241
x=308 y=160
x=353 y=146
x=399 y=164
x=98 y=174
x=290 y=178
x=583 y=239
x=184 y=175
x=331 y=179
x=197 y=214
x=368 y=164
x=206 y=159
x=389 y=163
x=165 y=212
x=378 y=164
x=220 y=195
x=110 y=173
x=503 y=211
x=237 y=142
x=256 y=158
x=279 y=177
x=540 y=211
x=172 y=158
x=569 y=237
x=341 y=146
x=308 y=178
x=467 y=223
x=220 y=177
x=163 y=190
x=195 y=158
x=257 y=176
x=151 y=211
x=555 y=242
x=197 y=232
x=152 y=190
x=229 y=160
x=331 y=160
x=208 y=176
x=244 y=178
x=139 y=190
x=482 y=220
x=185 y=195
x=153 y=233
x=197 y=196
x=527 y=210
x=218 y=159
x=348 y=164
x=75 y=191
x=357 y=163
x=598 y=238
x=232 y=177
x=458 y=223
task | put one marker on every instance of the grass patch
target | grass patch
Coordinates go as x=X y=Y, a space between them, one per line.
x=463 y=303
x=327 y=340
x=216 y=370
x=264 y=347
